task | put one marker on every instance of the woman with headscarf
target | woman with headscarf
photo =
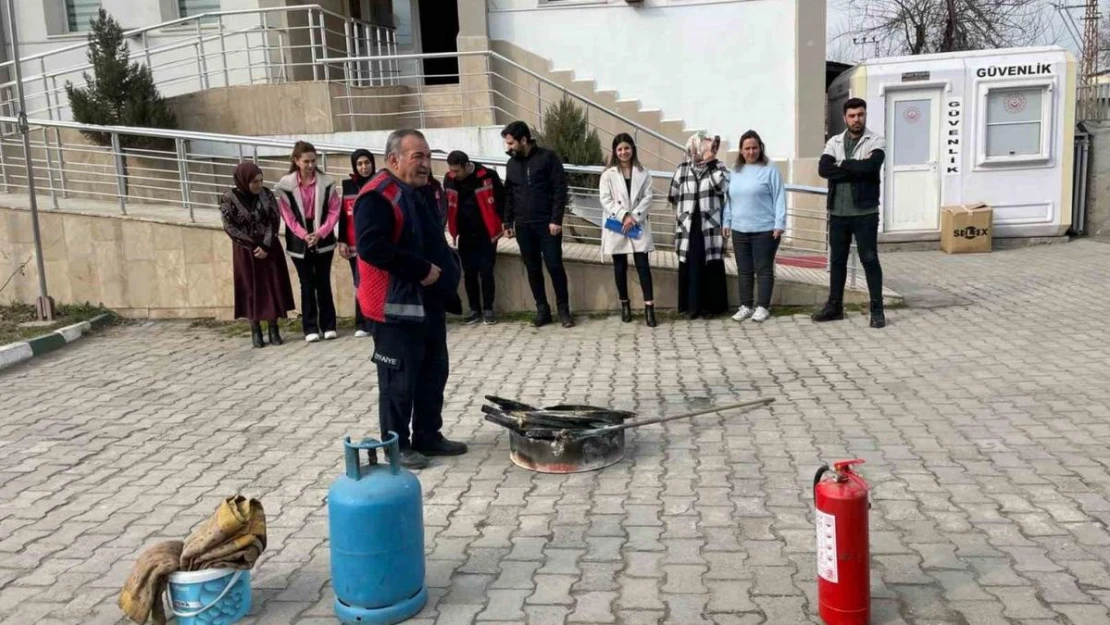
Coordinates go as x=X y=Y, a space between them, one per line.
x=697 y=193
x=250 y=216
x=362 y=170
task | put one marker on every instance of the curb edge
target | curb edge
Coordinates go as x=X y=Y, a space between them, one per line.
x=15 y=353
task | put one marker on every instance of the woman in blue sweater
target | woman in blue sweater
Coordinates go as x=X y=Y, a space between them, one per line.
x=755 y=218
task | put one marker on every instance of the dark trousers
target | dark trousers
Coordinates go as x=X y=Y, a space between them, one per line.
x=361 y=322
x=412 y=373
x=755 y=261
x=865 y=229
x=538 y=247
x=478 y=255
x=643 y=269
x=317 y=304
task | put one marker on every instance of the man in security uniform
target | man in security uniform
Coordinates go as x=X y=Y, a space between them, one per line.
x=475 y=201
x=408 y=281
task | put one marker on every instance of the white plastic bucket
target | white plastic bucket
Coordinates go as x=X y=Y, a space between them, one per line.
x=209 y=597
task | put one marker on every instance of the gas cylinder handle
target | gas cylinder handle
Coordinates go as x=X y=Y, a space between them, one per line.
x=351 y=451
x=817 y=480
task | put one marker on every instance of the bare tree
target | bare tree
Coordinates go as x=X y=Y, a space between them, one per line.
x=925 y=26
x=1104 y=36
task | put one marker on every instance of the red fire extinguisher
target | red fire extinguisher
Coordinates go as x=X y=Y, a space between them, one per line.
x=843 y=551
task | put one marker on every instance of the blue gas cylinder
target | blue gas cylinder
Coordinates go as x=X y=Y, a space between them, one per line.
x=376 y=527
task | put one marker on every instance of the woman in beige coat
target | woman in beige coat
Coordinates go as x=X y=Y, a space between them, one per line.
x=626 y=196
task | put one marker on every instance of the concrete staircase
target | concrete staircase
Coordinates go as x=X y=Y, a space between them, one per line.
x=607 y=100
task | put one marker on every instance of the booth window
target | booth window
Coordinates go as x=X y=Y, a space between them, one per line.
x=1016 y=123
x=79 y=13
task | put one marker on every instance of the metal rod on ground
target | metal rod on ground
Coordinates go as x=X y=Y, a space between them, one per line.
x=45 y=307
x=763 y=401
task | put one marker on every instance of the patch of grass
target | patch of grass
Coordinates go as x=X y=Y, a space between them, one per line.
x=13 y=316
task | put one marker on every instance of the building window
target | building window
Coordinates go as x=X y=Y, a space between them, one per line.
x=1016 y=123
x=79 y=13
x=189 y=8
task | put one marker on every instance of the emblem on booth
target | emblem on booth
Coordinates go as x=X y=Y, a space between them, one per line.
x=912 y=115
x=1015 y=103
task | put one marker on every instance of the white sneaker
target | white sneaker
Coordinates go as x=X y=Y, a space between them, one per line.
x=329 y=335
x=742 y=314
x=761 y=314
x=361 y=334
x=312 y=338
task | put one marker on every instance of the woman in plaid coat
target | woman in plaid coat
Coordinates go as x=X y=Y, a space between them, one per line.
x=697 y=193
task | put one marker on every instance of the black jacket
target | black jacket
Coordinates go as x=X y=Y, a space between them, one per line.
x=374 y=226
x=863 y=175
x=536 y=188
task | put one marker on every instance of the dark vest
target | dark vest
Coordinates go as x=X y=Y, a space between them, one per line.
x=382 y=297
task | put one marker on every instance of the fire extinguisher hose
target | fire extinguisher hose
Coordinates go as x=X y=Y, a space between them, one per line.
x=817 y=479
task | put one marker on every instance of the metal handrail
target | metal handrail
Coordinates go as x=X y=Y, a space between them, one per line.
x=213 y=137
x=179 y=137
x=192 y=18
x=210 y=33
x=498 y=57
x=166 y=47
x=202 y=174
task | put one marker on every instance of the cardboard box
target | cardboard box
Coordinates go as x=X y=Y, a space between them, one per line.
x=966 y=228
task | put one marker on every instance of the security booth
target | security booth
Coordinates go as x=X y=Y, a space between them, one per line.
x=994 y=127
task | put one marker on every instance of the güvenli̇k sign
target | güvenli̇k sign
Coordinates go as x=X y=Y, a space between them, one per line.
x=966 y=228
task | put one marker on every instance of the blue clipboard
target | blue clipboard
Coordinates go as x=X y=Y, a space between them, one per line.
x=614 y=224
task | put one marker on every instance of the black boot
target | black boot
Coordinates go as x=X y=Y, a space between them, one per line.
x=649 y=315
x=565 y=317
x=256 y=334
x=626 y=311
x=543 y=316
x=831 y=312
x=275 y=334
x=878 y=318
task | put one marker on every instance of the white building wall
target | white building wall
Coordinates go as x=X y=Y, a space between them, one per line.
x=722 y=66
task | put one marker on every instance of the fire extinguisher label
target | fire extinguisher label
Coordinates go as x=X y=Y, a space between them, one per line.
x=826 y=547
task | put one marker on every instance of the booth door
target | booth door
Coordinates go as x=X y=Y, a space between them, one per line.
x=913 y=133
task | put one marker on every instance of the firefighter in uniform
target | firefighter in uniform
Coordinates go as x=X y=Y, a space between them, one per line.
x=475 y=201
x=408 y=282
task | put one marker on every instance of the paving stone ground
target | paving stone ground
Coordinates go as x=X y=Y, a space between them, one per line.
x=984 y=420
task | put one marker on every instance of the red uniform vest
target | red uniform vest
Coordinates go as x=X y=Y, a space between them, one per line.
x=487 y=204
